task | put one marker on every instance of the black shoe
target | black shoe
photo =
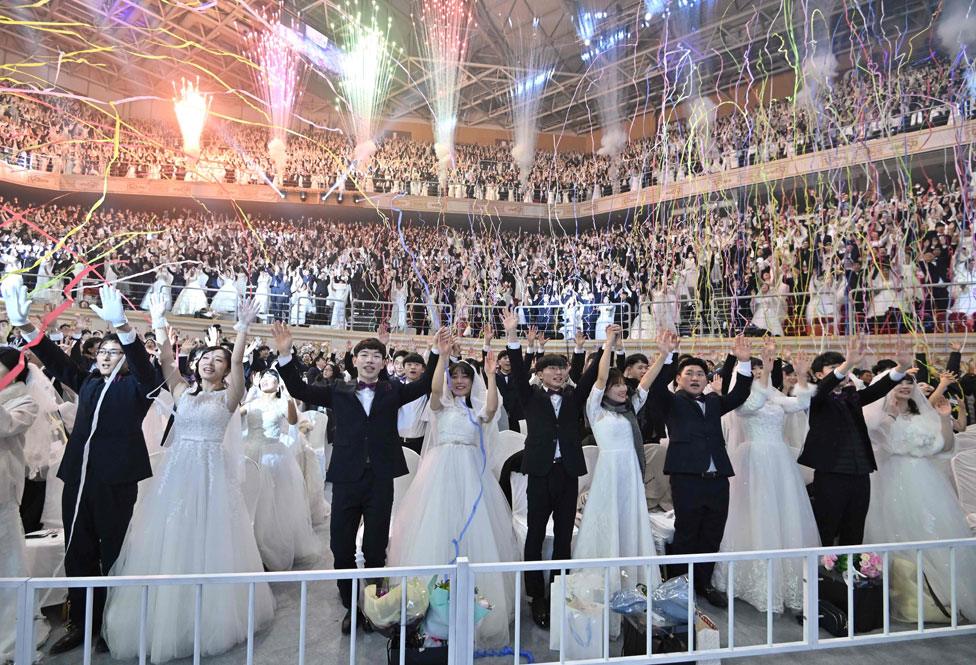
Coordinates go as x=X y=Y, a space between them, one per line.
x=72 y=639
x=716 y=598
x=540 y=612
x=361 y=622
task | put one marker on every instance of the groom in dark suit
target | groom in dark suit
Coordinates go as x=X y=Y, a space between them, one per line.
x=367 y=454
x=697 y=463
x=838 y=446
x=553 y=456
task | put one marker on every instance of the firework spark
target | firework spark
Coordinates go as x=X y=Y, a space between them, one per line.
x=191 y=108
x=526 y=96
x=366 y=71
x=444 y=27
x=279 y=74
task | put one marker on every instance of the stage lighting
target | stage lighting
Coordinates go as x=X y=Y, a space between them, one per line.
x=302 y=195
x=339 y=196
x=357 y=198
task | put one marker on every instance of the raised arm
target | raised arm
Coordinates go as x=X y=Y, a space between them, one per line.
x=742 y=350
x=667 y=342
x=247 y=314
x=310 y=395
x=520 y=373
x=112 y=312
x=491 y=400
x=422 y=386
x=603 y=366
x=444 y=343
x=56 y=361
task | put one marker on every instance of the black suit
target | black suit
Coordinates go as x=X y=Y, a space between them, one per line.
x=838 y=448
x=366 y=457
x=117 y=461
x=695 y=441
x=553 y=483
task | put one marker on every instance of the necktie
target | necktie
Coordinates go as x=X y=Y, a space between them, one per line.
x=365 y=386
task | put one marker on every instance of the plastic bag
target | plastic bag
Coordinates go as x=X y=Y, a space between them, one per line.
x=437 y=621
x=669 y=605
x=382 y=608
x=584 y=616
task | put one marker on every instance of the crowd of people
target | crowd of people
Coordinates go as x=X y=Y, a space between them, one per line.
x=64 y=136
x=847 y=449
x=823 y=265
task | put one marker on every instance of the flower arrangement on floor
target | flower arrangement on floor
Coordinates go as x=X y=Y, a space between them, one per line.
x=867 y=566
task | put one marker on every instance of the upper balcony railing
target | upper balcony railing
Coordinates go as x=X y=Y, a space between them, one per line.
x=939 y=128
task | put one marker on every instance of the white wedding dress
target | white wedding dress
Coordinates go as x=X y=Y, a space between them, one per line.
x=225 y=301
x=911 y=500
x=455 y=498
x=282 y=521
x=193 y=519
x=615 y=522
x=769 y=508
x=193 y=297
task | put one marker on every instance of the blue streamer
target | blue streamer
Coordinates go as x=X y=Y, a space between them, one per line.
x=504 y=651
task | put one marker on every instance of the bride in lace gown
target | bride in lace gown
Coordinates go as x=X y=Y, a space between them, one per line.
x=615 y=521
x=912 y=500
x=193 y=518
x=455 y=506
x=769 y=508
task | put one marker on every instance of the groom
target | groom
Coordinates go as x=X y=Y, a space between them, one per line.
x=553 y=457
x=697 y=462
x=838 y=446
x=367 y=454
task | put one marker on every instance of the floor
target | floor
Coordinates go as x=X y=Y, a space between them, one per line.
x=326 y=646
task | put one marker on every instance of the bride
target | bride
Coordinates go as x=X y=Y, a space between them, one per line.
x=911 y=500
x=282 y=521
x=454 y=506
x=765 y=470
x=193 y=518
x=615 y=522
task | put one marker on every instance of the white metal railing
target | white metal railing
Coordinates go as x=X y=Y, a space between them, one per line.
x=462 y=575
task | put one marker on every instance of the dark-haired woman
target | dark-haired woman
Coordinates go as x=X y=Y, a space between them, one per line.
x=17 y=413
x=615 y=521
x=193 y=519
x=282 y=521
x=455 y=506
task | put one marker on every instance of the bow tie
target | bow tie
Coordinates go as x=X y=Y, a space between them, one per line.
x=365 y=386
x=554 y=391
x=700 y=397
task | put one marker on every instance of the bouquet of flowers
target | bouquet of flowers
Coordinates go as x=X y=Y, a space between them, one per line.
x=866 y=567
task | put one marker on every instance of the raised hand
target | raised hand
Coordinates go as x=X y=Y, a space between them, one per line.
x=801 y=363
x=383 y=333
x=247 y=313
x=510 y=324
x=742 y=348
x=531 y=334
x=946 y=379
x=491 y=363
x=904 y=354
x=111 y=311
x=157 y=310
x=213 y=336
x=444 y=341
x=579 y=338
x=956 y=347
x=282 y=337
x=667 y=342
x=856 y=348
x=15 y=299
x=489 y=334
x=768 y=353
x=943 y=407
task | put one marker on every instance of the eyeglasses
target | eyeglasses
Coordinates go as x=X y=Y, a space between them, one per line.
x=111 y=353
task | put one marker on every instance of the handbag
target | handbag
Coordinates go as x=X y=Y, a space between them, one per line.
x=832 y=618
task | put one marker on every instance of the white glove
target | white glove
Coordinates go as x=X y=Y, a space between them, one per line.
x=111 y=310
x=157 y=310
x=14 y=295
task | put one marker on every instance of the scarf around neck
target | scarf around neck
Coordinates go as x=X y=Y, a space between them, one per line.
x=626 y=410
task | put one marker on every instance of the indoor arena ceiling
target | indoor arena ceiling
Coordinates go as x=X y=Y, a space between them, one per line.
x=145 y=58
